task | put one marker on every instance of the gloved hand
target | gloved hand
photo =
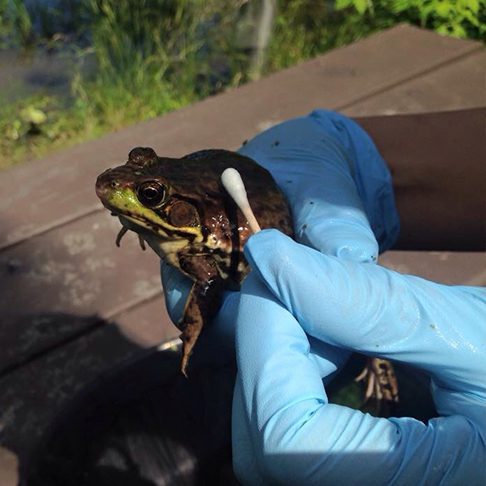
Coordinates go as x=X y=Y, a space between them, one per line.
x=284 y=429
x=339 y=191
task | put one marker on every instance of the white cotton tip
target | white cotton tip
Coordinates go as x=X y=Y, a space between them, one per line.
x=233 y=183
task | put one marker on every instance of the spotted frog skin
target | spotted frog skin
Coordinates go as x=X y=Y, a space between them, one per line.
x=180 y=208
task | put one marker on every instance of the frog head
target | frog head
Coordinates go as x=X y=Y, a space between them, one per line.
x=147 y=202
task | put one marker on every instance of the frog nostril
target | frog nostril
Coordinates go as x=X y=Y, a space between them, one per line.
x=114 y=184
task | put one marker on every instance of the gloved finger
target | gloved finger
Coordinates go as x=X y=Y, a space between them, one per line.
x=217 y=343
x=294 y=436
x=376 y=311
x=245 y=460
x=335 y=182
x=176 y=288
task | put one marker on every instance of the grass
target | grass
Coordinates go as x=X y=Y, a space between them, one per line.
x=151 y=57
x=39 y=124
x=155 y=56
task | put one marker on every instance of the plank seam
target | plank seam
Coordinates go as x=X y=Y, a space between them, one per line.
x=29 y=358
x=133 y=304
x=99 y=322
x=413 y=77
x=48 y=227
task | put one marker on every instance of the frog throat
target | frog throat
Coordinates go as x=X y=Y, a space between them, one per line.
x=126 y=204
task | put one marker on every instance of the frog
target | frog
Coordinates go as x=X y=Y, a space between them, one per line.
x=179 y=207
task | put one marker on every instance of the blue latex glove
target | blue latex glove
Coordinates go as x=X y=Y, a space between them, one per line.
x=339 y=191
x=284 y=429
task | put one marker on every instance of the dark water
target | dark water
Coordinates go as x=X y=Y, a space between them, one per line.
x=46 y=66
x=24 y=74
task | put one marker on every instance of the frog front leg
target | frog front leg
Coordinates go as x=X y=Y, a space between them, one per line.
x=202 y=303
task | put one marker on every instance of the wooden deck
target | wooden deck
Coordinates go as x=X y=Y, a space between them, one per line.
x=74 y=307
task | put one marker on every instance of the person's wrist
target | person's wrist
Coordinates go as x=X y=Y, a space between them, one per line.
x=176 y=287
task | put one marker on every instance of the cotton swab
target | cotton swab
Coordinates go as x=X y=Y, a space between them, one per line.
x=233 y=183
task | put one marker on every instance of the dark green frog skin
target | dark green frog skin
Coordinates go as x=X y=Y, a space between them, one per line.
x=180 y=208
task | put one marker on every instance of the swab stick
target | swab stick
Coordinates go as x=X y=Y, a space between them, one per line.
x=233 y=183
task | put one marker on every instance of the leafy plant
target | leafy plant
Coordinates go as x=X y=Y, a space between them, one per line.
x=15 y=24
x=35 y=125
x=305 y=28
x=458 y=18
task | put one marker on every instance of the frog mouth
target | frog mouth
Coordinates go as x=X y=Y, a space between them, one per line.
x=147 y=230
x=140 y=226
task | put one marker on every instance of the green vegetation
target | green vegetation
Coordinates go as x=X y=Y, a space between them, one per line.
x=15 y=24
x=458 y=18
x=154 y=56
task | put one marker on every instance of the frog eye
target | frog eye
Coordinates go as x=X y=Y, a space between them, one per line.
x=151 y=193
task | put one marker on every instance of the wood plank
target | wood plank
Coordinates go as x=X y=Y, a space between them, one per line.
x=9 y=466
x=461 y=218
x=454 y=86
x=75 y=270
x=32 y=398
x=39 y=196
x=450 y=268
x=148 y=323
x=145 y=325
